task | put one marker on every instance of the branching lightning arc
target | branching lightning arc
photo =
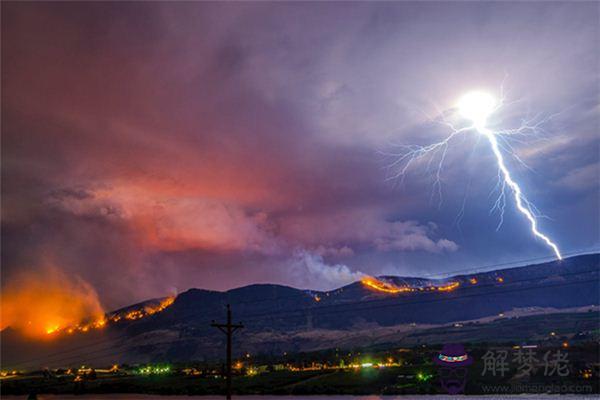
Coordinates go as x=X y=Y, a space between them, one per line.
x=477 y=107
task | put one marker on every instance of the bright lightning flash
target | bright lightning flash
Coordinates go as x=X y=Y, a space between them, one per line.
x=477 y=107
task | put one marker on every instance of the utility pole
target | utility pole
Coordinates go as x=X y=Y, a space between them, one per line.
x=228 y=330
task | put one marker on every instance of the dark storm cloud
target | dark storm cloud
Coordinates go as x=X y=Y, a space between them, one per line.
x=214 y=145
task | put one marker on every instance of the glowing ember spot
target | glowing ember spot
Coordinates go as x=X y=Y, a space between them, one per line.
x=52 y=329
x=100 y=323
x=133 y=315
x=500 y=279
x=473 y=281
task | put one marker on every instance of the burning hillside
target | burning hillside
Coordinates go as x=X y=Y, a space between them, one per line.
x=379 y=285
x=385 y=286
x=557 y=285
x=40 y=303
x=143 y=311
x=47 y=303
x=130 y=314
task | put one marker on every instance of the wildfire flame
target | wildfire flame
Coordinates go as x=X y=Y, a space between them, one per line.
x=147 y=310
x=379 y=285
x=42 y=302
x=103 y=321
x=382 y=286
x=448 y=287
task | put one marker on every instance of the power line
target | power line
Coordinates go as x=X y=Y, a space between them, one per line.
x=368 y=308
x=450 y=297
x=518 y=263
x=346 y=289
x=473 y=270
x=319 y=311
x=305 y=293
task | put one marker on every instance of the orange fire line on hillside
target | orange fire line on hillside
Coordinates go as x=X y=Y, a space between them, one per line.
x=101 y=322
x=382 y=286
x=379 y=285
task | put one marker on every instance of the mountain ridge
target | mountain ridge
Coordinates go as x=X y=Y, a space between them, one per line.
x=474 y=272
x=280 y=318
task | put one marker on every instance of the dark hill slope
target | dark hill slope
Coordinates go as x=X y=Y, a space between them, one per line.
x=278 y=317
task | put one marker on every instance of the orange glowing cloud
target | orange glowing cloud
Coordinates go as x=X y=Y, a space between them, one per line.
x=43 y=302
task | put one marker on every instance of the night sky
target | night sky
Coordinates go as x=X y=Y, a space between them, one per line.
x=152 y=147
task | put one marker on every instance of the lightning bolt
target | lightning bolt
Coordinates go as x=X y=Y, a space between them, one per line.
x=523 y=205
x=477 y=111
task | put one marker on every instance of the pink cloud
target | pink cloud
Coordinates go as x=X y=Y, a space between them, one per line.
x=366 y=227
x=176 y=223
